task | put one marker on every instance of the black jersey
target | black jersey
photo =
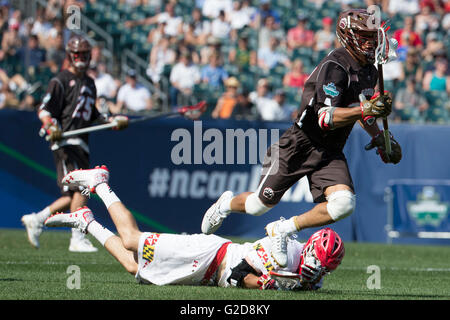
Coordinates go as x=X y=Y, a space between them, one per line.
x=71 y=101
x=337 y=82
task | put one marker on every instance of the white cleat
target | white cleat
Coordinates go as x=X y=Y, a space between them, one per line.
x=34 y=228
x=279 y=243
x=87 y=179
x=78 y=219
x=81 y=245
x=213 y=218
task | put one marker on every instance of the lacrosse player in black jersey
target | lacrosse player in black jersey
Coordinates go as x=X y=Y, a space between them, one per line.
x=69 y=104
x=312 y=147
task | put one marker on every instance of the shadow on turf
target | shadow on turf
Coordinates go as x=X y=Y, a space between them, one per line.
x=10 y=279
x=379 y=293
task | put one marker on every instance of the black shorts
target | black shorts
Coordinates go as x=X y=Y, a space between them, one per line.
x=69 y=158
x=295 y=156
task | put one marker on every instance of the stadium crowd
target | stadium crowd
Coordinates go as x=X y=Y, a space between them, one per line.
x=249 y=59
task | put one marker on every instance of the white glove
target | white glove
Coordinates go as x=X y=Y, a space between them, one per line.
x=311 y=270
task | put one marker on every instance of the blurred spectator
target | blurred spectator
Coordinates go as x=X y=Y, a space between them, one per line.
x=265 y=10
x=244 y=108
x=409 y=103
x=157 y=33
x=132 y=96
x=288 y=110
x=409 y=7
x=426 y=21
x=213 y=73
x=213 y=46
x=238 y=18
x=31 y=55
x=226 y=103
x=412 y=67
x=174 y=24
x=11 y=41
x=437 y=79
x=269 y=58
x=160 y=56
x=268 y=31
x=268 y=109
x=41 y=27
x=220 y=28
x=433 y=47
x=96 y=55
x=299 y=36
x=241 y=56
x=104 y=82
x=183 y=77
x=295 y=78
x=325 y=38
x=406 y=36
x=56 y=53
x=211 y=8
x=202 y=27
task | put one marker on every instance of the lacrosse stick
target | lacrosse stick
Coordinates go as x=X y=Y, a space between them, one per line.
x=384 y=53
x=190 y=112
x=286 y=280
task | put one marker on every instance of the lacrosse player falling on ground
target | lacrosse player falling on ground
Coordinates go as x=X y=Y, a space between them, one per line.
x=313 y=145
x=198 y=259
x=69 y=104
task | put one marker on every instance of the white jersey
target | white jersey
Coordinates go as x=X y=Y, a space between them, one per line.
x=186 y=259
x=259 y=255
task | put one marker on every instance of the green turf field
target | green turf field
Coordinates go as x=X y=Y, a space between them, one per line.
x=406 y=272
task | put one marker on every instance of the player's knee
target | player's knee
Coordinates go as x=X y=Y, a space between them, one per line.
x=130 y=240
x=254 y=205
x=341 y=204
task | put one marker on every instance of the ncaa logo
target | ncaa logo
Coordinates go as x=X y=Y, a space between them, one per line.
x=268 y=193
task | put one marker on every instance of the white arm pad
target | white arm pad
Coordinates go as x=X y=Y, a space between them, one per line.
x=325 y=115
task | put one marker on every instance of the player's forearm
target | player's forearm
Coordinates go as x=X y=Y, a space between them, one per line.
x=345 y=116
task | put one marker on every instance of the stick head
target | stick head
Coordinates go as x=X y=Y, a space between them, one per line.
x=386 y=49
x=193 y=112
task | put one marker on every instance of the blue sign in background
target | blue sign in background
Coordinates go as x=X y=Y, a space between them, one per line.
x=167 y=197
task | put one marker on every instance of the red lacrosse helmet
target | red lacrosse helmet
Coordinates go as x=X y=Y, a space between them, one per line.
x=327 y=247
x=78 y=51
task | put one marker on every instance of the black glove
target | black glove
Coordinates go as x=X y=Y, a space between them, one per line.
x=378 y=142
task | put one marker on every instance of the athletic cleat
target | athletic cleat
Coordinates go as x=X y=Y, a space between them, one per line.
x=81 y=245
x=34 y=228
x=87 y=179
x=279 y=243
x=78 y=219
x=213 y=218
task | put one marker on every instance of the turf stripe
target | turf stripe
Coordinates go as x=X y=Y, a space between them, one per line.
x=52 y=174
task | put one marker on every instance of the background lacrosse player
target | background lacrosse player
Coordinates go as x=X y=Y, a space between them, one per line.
x=198 y=259
x=313 y=145
x=69 y=104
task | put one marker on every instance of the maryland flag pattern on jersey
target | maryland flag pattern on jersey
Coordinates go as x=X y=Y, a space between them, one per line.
x=149 y=247
x=262 y=254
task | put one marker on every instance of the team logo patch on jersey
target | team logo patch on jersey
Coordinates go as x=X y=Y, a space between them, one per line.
x=330 y=90
x=149 y=247
x=268 y=193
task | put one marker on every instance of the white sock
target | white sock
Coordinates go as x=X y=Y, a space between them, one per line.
x=99 y=232
x=288 y=226
x=106 y=194
x=225 y=207
x=42 y=215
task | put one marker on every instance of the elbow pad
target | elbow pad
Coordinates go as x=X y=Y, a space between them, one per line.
x=239 y=272
x=325 y=115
